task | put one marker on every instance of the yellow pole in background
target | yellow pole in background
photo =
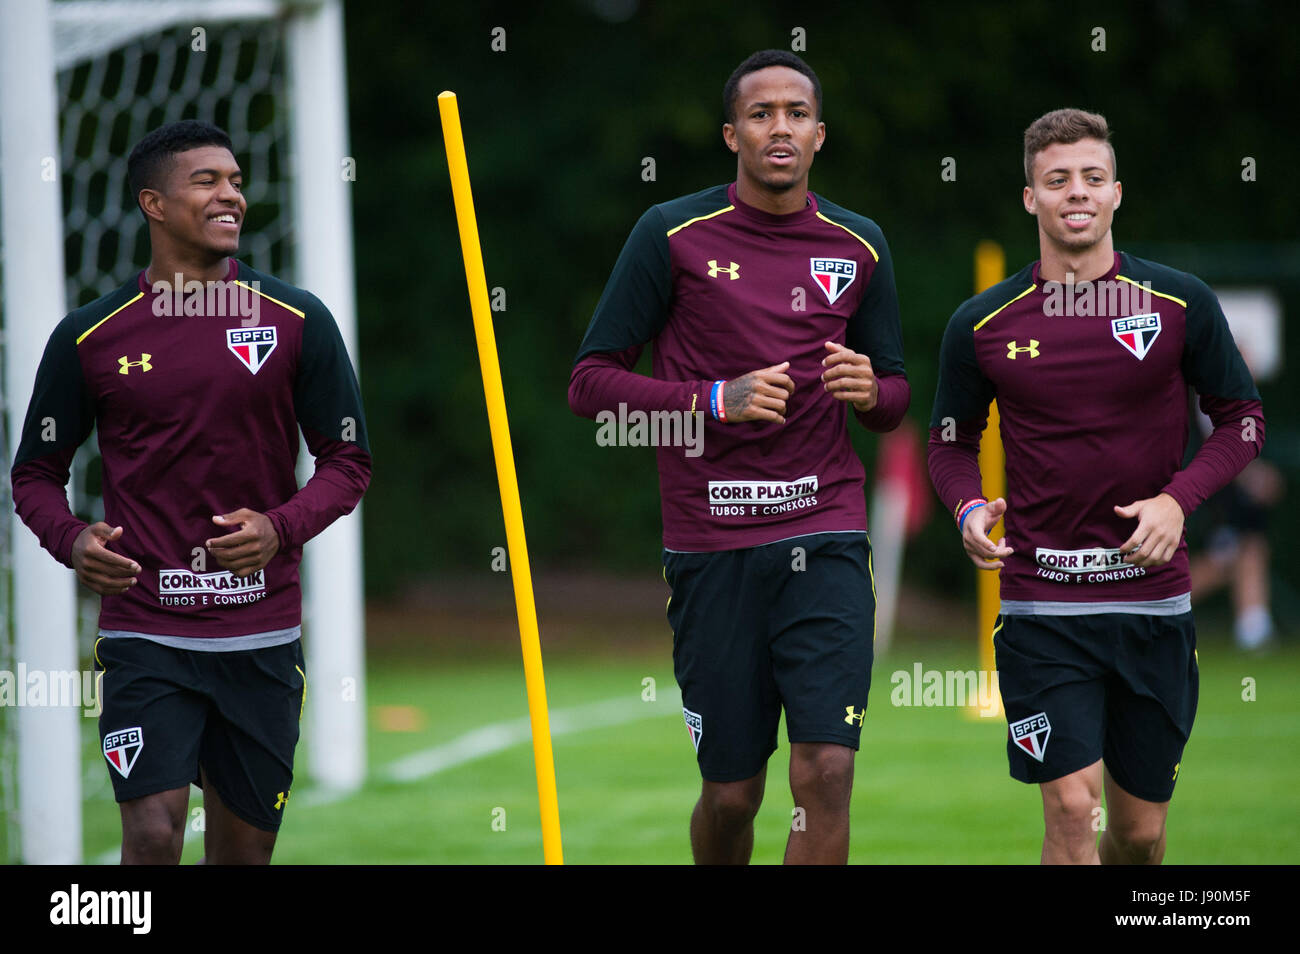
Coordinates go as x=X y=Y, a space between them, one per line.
x=990 y=268
x=517 y=545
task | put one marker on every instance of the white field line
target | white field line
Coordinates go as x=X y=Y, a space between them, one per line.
x=480 y=743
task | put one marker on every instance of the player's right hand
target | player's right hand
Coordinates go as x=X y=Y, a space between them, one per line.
x=983 y=552
x=99 y=568
x=759 y=395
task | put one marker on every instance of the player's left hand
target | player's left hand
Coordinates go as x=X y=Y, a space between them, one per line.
x=249 y=548
x=849 y=377
x=1158 y=533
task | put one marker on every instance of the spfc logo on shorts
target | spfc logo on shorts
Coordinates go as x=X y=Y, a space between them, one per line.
x=1137 y=333
x=251 y=345
x=1031 y=734
x=122 y=748
x=833 y=275
x=694 y=725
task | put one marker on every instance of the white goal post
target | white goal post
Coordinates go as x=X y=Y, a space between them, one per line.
x=80 y=82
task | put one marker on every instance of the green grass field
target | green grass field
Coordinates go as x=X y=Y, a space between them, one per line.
x=931 y=785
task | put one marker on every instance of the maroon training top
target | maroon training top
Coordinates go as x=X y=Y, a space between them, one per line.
x=1092 y=384
x=198 y=415
x=722 y=288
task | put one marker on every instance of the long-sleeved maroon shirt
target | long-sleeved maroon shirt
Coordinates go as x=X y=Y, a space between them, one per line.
x=722 y=289
x=1091 y=383
x=197 y=415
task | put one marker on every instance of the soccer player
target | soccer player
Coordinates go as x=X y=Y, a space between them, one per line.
x=1089 y=353
x=772 y=312
x=198 y=373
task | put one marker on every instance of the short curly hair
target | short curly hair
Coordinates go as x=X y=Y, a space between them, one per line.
x=150 y=160
x=761 y=61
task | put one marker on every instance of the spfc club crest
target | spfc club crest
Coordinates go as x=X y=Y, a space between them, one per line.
x=833 y=275
x=694 y=725
x=122 y=748
x=1031 y=734
x=251 y=345
x=1137 y=333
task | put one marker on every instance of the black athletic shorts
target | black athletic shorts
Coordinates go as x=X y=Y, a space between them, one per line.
x=1120 y=687
x=785 y=624
x=166 y=712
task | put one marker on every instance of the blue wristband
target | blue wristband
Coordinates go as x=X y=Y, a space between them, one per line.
x=961 y=524
x=715 y=398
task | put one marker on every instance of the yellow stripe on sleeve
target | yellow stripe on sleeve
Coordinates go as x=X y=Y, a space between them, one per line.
x=1152 y=290
x=86 y=334
x=699 y=218
x=851 y=232
x=269 y=298
x=985 y=320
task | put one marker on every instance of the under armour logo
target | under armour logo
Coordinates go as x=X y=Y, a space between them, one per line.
x=281 y=800
x=1032 y=350
x=125 y=366
x=714 y=269
x=854 y=718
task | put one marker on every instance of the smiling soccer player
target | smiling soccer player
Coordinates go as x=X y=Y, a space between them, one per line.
x=1090 y=353
x=196 y=560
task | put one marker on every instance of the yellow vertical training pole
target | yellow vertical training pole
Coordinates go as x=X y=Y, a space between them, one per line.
x=517 y=546
x=990 y=268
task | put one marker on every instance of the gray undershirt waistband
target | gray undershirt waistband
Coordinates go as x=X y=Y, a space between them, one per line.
x=1170 y=606
x=220 y=644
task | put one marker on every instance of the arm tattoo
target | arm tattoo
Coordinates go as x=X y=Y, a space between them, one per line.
x=737 y=394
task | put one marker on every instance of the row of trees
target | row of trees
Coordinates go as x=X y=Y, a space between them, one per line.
x=577 y=120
